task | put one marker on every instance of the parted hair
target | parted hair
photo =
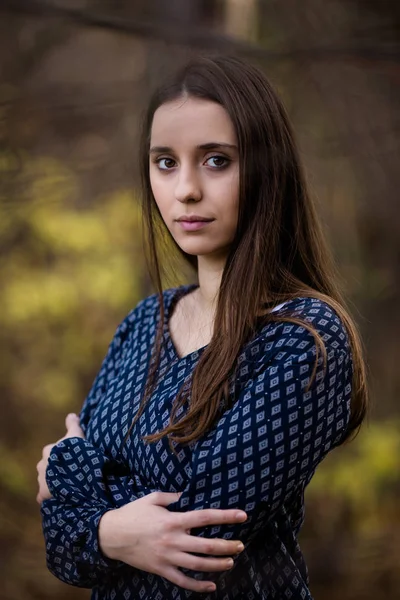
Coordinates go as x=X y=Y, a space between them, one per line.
x=279 y=251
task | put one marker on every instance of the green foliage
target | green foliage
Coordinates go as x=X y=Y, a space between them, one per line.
x=13 y=476
x=363 y=475
x=68 y=276
x=71 y=257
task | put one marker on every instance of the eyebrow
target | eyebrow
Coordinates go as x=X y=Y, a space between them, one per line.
x=208 y=146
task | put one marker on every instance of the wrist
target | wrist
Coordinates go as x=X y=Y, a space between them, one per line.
x=108 y=535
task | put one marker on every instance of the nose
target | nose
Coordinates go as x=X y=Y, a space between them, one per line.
x=187 y=185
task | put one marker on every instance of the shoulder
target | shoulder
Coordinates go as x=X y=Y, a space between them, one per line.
x=146 y=310
x=322 y=317
x=133 y=320
x=282 y=339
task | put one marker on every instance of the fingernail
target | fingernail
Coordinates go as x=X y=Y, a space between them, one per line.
x=211 y=588
x=240 y=547
x=241 y=515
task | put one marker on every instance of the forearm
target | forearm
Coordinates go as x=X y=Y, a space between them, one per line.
x=73 y=552
x=108 y=534
x=85 y=485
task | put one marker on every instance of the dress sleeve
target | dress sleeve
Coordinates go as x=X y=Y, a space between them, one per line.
x=110 y=366
x=265 y=449
x=85 y=484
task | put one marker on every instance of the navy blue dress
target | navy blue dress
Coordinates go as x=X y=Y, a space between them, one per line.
x=259 y=456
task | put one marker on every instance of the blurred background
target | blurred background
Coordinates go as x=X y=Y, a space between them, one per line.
x=74 y=78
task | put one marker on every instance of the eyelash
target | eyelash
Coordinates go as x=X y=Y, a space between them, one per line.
x=219 y=168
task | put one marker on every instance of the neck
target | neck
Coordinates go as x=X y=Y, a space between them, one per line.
x=209 y=275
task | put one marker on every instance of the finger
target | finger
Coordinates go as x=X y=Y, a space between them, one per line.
x=73 y=427
x=211 y=516
x=71 y=419
x=46 y=450
x=199 y=563
x=39 y=498
x=216 y=547
x=188 y=583
x=163 y=498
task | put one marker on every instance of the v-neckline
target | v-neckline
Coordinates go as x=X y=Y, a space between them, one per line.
x=177 y=294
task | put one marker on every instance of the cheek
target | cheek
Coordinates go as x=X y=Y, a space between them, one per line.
x=230 y=196
x=159 y=190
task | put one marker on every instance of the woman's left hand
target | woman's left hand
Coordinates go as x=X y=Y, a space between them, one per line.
x=73 y=430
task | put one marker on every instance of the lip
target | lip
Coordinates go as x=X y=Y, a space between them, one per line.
x=193 y=225
x=194 y=218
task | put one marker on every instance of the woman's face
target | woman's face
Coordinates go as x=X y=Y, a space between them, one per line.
x=194 y=170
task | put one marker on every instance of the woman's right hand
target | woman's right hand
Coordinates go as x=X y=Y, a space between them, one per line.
x=146 y=535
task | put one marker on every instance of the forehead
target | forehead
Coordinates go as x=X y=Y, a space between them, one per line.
x=191 y=121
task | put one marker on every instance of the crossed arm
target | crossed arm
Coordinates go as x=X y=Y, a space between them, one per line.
x=256 y=458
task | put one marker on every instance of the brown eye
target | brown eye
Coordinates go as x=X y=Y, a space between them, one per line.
x=218 y=161
x=165 y=163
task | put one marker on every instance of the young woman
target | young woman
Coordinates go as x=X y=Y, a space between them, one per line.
x=217 y=400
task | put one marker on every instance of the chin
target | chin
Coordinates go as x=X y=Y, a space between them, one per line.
x=201 y=250
x=193 y=251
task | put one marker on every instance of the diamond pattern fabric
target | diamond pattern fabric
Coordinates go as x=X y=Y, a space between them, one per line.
x=259 y=456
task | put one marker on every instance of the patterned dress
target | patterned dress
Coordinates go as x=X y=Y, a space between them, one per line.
x=259 y=456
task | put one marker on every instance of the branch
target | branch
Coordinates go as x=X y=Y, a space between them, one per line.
x=197 y=37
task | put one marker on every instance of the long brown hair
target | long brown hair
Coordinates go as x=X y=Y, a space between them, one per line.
x=278 y=253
